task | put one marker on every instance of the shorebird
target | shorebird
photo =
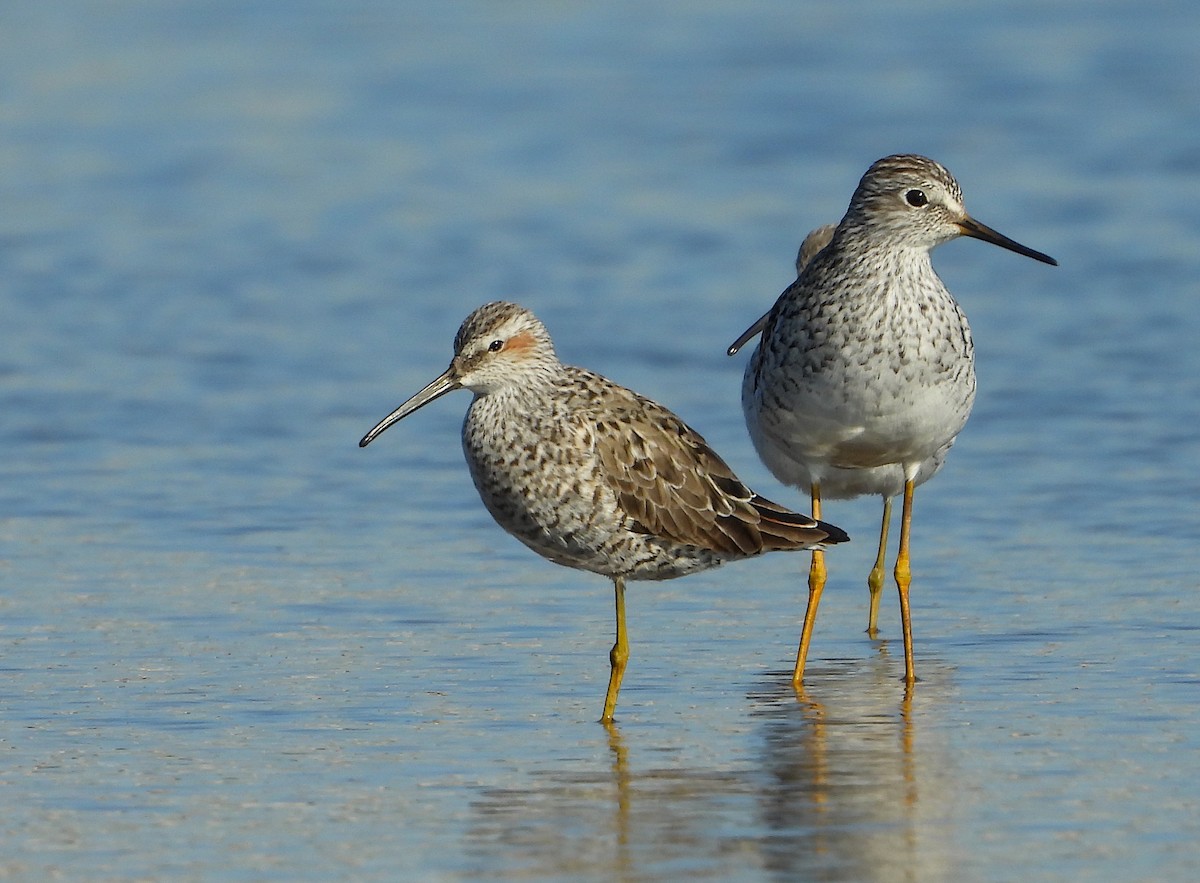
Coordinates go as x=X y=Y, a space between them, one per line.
x=593 y=476
x=815 y=241
x=885 y=481
x=865 y=373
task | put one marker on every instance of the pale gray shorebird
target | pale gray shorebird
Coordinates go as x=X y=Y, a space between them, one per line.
x=865 y=373
x=884 y=481
x=593 y=476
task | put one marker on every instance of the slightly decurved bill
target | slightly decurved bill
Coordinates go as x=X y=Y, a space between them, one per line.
x=441 y=385
x=747 y=335
x=974 y=229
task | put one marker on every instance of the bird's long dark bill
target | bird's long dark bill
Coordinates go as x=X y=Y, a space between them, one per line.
x=439 y=387
x=974 y=229
x=747 y=335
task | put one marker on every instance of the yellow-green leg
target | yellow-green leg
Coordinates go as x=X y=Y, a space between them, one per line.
x=618 y=657
x=816 y=585
x=875 y=578
x=903 y=580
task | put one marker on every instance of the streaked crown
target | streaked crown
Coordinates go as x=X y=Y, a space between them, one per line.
x=908 y=198
x=501 y=344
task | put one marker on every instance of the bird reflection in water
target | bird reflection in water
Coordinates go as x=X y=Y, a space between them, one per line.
x=851 y=791
x=851 y=787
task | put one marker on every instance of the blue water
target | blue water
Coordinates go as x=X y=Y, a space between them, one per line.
x=235 y=646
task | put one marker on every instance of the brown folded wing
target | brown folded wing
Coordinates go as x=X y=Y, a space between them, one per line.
x=673 y=485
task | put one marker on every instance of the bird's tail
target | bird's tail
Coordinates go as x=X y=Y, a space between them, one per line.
x=791 y=530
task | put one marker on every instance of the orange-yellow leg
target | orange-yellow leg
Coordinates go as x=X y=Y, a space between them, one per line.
x=875 y=579
x=816 y=584
x=618 y=657
x=903 y=580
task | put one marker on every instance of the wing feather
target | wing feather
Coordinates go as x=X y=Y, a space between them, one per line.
x=671 y=484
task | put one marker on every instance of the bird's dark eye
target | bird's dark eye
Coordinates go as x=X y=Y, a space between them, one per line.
x=495 y=346
x=916 y=198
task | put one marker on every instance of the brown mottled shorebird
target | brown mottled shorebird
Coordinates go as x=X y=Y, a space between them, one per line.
x=813 y=243
x=593 y=476
x=865 y=373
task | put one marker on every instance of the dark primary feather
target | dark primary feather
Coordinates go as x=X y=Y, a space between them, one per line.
x=673 y=485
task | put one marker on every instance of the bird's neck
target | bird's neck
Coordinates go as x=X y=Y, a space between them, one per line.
x=529 y=383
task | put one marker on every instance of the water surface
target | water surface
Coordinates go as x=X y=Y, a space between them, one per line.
x=236 y=646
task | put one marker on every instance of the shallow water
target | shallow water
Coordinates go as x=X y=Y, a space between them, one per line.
x=236 y=646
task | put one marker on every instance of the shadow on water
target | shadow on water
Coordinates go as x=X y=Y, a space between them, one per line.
x=851 y=786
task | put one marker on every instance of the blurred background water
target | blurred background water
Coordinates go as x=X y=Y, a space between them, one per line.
x=235 y=646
